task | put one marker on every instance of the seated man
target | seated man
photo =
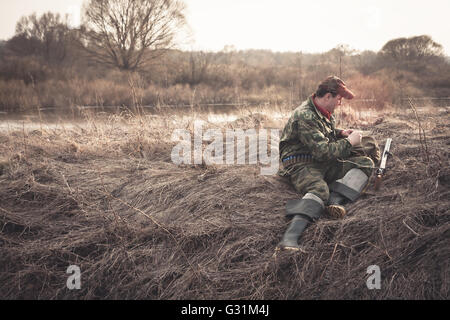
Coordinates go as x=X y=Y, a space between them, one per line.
x=320 y=160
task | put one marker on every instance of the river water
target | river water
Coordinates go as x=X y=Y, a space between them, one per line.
x=80 y=117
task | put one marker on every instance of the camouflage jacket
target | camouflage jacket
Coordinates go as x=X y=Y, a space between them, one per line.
x=309 y=132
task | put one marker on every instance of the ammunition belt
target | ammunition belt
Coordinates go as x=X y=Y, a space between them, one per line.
x=298 y=158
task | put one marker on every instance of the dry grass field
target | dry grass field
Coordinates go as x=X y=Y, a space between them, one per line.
x=103 y=194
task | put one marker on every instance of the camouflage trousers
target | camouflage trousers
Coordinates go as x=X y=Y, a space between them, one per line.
x=315 y=177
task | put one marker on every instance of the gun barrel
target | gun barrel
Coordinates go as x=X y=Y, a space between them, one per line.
x=387 y=147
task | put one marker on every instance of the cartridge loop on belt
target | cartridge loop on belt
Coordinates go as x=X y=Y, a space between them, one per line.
x=297 y=158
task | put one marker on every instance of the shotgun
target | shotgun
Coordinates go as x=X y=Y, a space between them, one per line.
x=381 y=170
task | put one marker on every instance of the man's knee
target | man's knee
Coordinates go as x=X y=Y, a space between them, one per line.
x=310 y=180
x=366 y=164
x=316 y=187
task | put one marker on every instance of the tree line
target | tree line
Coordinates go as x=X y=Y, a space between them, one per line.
x=119 y=38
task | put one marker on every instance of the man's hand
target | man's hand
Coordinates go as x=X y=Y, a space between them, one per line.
x=346 y=133
x=355 y=138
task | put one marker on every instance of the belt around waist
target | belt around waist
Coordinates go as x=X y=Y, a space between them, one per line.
x=298 y=158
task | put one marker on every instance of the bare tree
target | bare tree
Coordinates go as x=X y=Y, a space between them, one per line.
x=199 y=63
x=128 y=33
x=339 y=54
x=47 y=36
x=414 y=49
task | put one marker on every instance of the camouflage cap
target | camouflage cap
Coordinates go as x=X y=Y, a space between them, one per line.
x=336 y=86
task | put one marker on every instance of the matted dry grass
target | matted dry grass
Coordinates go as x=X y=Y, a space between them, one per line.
x=105 y=196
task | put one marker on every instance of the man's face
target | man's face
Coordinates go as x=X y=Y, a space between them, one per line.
x=333 y=102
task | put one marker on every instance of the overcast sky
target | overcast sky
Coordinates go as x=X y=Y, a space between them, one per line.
x=282 y=25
